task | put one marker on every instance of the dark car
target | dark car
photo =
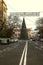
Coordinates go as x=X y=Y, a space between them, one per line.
x=33 y=39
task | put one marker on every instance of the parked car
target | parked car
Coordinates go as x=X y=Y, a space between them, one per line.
x=16 y=40
x=33 y=39
x=41 y=39
x=4 y=41
x=12 y=40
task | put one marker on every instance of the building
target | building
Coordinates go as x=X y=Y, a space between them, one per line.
x=16 y=32
x=3 y=12
x=30 y=33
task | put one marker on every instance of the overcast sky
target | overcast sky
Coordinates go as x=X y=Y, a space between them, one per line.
x=26 y=6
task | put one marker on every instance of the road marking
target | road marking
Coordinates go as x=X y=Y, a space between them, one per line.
x=25 y=58
x=21 y=60
x=24 y=55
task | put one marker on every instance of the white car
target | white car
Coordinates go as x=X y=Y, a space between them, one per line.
x=41 y=40
x=16 y=40
x=13 y=40
x=4 y=41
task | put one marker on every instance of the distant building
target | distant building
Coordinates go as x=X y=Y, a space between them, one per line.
x=3 y=11
x=31 y=34
x=17 y=31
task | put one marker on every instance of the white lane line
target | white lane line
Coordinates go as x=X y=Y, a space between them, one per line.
x=21 y=60
x=25 y=57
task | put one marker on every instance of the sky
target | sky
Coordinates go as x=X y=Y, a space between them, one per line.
x=26 y=6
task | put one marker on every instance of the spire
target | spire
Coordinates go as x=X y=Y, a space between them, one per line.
x=23 y=34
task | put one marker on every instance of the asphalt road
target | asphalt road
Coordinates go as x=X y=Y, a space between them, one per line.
x=22 y=53
x=35 y=53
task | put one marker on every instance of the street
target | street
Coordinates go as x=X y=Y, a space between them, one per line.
x=22 y=53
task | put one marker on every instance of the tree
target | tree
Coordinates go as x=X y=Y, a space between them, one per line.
x=2 y=27
x=9 y=33
x=39 y=24
x=15 y=20
x=6 y=28
x=24 y=34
